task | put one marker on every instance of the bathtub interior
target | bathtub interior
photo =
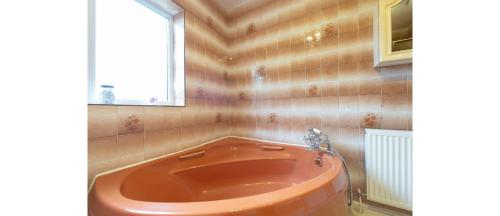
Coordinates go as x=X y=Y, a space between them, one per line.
x=225 y=171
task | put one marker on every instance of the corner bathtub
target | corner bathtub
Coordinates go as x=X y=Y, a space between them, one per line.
x=230 y=176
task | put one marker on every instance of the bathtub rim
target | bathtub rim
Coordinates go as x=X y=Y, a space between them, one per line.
x=89 y=189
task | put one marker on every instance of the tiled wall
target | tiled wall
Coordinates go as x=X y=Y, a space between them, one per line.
x=122 y=135
x=285 y=86
x=331 y=85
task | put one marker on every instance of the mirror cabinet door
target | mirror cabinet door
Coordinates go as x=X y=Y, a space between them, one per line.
x=401 y=26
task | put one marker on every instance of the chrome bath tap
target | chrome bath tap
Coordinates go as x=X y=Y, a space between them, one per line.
x=318 y=141
x=315 y=139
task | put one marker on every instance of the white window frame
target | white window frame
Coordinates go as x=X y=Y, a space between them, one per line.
x=170 y=100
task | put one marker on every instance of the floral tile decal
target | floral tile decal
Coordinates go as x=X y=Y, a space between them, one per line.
x=330 y=30
x=251 y=28
x=312 y=90
x=273 y=117
x=370 y=119
x=259 y=73
x=132 y=123
x=241 y=95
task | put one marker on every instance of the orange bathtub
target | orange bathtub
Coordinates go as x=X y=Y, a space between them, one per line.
x=231 y=176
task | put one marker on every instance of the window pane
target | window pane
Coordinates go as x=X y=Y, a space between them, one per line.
x=131 y=50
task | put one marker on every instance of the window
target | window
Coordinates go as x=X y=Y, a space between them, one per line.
x=136 y=52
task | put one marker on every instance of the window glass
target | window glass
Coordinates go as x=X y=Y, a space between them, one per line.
x=138 y=53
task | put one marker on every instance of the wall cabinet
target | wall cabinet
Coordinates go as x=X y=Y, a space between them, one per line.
x=393 y=33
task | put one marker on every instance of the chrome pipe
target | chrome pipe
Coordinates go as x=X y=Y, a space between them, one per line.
x=314 y=138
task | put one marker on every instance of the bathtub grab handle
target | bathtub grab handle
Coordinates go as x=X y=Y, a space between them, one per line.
x=192 y=155
x=272 y=148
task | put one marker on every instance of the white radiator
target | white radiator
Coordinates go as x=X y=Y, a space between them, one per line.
x=388 y=163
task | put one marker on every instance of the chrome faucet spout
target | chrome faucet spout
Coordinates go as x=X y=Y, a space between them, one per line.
x=318 y=141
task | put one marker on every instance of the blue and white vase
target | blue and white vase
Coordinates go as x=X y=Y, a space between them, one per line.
x=107 y=95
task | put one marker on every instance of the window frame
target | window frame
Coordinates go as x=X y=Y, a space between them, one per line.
x=91 y=97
